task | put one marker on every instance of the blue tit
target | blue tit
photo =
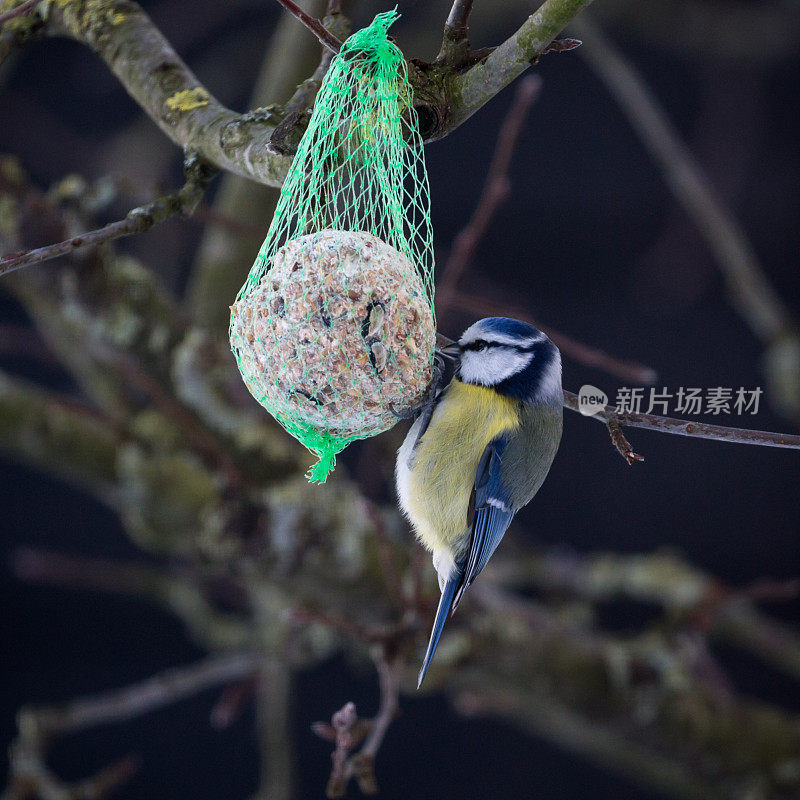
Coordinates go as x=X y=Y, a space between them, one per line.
x=480 y=451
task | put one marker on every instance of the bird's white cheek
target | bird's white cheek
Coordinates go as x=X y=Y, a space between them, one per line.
x=490 y=367
x=475 y=370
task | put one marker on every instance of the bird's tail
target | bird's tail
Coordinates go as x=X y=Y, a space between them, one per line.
x=445 y=603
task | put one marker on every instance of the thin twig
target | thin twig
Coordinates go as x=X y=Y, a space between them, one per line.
x=133 y=223
x=663 y=578
x=297 y=109
x=344 y=625
x=389 y=672
x=160 y=690
x=325 y=37
x=680 y=427
x=621 y=443
x=458 y=18
x=80 y=572
x=30 y=776
x=766 y=589
x=123 y=578
x=182 y=594
x=346 y=730
x=201 y=438
x=37 y=726
x=231 y=702
x=18 y=11
x=61 y=435
x=496 y=190
x=683 y=427
x=138 y=220
x=342 y=722
x=562 y=45
x=362 y=765
x=455 y=50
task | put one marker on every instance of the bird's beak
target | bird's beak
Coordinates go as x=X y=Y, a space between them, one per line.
x=447 y=347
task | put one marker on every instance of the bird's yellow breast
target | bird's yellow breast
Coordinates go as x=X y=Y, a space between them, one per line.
x=442 y=471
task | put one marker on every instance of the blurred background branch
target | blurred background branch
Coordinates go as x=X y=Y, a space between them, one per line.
x=749 y=288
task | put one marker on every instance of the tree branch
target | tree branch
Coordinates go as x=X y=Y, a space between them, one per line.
x=180 y=592
x=37 y=726
x=125 y=337
x=389 y=673
x=618 y=700
x=325 y=37
x=751 y=291
x=474 y=88
x=153 y=74
x=753 y=36
x=30 y=778
x=455 y=48
x=682 y=427
x=457 y=19
x=642 y=706
x=273 y=717
x=286 y=135
x=163 y=689
x=138 y=220
x=59 y=435
x=361 y=765
x=687 y=594
x=18 y=11
x=582 y=353
x=621 y=443
x=167 y=90
x=347 y=731
x=754 y=295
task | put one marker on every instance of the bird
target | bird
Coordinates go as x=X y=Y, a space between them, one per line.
x=479 y=449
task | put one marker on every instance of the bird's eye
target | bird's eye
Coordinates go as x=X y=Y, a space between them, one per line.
x=480 y=345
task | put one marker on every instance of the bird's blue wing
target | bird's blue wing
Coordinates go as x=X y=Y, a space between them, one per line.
x=492 y=516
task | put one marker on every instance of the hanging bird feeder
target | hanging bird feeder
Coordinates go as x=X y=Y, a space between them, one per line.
x=334 y=326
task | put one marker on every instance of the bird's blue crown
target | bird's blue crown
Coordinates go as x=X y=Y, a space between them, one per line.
x=509 y=327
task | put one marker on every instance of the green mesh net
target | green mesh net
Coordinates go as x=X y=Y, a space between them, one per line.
x=334 y=326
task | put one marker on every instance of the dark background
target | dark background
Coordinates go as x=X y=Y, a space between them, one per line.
x=591 y=243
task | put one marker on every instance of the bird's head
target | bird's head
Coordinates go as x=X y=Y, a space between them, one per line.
x=510 y=356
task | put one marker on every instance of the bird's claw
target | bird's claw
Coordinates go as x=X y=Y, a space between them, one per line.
x=427 y=399
x=406 y=413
